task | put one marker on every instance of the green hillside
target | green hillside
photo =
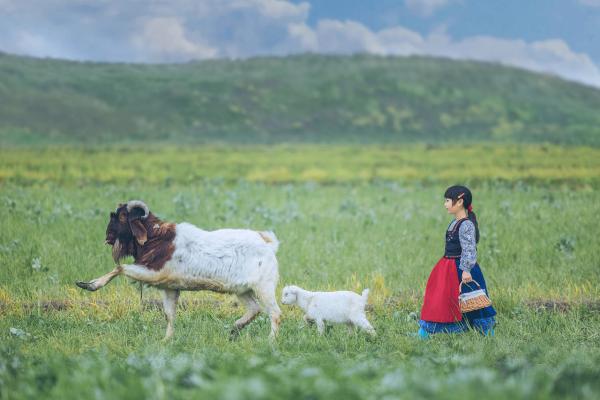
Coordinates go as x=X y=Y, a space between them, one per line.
x=306 y=98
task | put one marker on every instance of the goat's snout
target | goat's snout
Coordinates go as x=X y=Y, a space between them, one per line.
x=110 y=239
x=288 y=296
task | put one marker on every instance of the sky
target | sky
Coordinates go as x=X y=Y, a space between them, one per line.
x=559 y=37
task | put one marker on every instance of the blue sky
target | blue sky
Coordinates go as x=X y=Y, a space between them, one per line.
x=559 y=37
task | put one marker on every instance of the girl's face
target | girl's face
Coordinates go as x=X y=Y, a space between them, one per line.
x=453 y=208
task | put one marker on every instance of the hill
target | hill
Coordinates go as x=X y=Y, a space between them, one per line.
x=307 y=98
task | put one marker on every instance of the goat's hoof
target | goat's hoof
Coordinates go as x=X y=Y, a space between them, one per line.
x=86 y=285
x=234 y=333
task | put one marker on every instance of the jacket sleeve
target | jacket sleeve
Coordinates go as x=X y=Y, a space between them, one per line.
x=466 y=235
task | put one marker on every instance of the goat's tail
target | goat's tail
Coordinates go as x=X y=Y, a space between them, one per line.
x=365 y=295
x=270 y=239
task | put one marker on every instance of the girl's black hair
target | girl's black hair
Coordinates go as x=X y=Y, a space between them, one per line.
x=462 y=192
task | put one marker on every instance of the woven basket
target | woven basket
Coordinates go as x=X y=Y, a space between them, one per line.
x=475 y=300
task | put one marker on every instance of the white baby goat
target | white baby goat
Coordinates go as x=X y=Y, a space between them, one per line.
x=338 y=307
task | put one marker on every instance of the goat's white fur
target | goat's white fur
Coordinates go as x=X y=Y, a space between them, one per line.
x=237 y=261
x=337 y=307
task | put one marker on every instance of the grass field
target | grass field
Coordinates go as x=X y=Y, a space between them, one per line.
x=348 y=218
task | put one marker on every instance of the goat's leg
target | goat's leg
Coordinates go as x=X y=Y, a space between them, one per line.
x=269 y=303
x=142 y=273
x=100 y=282
x=320 y=326
x=252 y=311
x=138 y=272
x=350 y=327
x=170 y=298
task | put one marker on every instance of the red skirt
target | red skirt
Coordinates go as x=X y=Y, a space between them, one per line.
x=441 y=293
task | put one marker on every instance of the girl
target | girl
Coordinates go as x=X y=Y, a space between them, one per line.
x=441 y=312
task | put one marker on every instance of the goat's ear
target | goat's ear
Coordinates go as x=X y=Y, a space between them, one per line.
x=139 y=231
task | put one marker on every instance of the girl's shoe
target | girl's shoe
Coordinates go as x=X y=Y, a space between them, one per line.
x=423 y=334
x=489 y=332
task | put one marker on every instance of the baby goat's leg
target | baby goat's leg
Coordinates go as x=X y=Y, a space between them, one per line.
x=100 y=282
x=252 y=311
x=170 y=298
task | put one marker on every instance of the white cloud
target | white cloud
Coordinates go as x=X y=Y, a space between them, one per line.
x=401 y=41
x=181 y=30
x=425 y=7
x=346 y=37
x=152 y=30
x=551 y=56
x=276 y=9
x=164 y=38
x=590 y=3
x=32 y=43
x=303 y=37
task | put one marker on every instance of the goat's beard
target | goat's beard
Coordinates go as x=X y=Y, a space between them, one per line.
x=121 y=250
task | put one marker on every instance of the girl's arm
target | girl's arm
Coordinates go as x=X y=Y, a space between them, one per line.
x=466 y=235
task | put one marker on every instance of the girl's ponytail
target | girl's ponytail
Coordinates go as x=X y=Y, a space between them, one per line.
x=473 y=218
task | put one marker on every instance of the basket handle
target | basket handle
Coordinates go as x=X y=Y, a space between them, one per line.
x=467 y=283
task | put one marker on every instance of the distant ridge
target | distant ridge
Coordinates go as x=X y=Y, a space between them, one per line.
x=304 y=98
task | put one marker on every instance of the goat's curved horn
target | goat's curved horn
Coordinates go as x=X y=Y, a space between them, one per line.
x=138 y=204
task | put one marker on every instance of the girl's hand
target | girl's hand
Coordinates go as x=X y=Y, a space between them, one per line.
x=466 y=276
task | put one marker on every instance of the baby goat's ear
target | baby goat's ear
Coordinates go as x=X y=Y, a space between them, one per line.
x=139 y=231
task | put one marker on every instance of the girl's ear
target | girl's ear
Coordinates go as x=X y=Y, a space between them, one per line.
x=460 y=202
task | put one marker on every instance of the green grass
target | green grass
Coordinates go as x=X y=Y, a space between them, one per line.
x=538 y=247
x=299 y=99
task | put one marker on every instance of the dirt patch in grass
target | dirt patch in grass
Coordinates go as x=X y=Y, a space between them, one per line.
x=562 y=305
x=65 y=305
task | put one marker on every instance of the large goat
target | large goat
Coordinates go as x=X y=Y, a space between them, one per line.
x=175 y=257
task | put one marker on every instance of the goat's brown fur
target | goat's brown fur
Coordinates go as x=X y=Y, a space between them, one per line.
x=265 y=237
x=151 y=244
x=159 y=247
